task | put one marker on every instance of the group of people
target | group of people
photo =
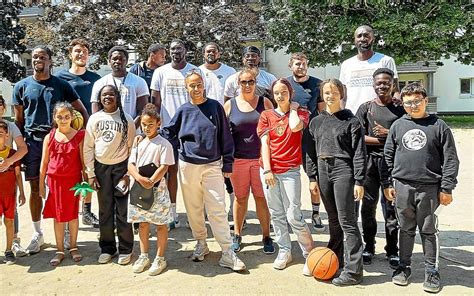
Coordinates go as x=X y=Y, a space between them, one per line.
x=359 y=139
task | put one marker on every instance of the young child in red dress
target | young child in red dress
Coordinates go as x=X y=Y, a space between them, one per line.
x=61 y=167
x=9 y=181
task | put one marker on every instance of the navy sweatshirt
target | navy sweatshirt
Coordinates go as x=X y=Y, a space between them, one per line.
x=422 y=151
x=338 y=135
x=201 y=134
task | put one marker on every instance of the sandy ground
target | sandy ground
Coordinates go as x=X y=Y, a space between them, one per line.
x=33 y=274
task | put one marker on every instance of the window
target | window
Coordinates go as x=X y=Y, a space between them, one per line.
x=466 y=86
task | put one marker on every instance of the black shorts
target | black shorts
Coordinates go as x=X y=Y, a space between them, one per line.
x=32 y=159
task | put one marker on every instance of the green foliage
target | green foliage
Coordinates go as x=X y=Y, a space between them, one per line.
x=409 y=31
x=11 y=35
x=139 y=25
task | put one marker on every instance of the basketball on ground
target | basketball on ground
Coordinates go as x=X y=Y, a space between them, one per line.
x=77 y=120
x=323 y=263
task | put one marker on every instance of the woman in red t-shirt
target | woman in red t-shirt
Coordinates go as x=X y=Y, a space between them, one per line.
x=280 y=131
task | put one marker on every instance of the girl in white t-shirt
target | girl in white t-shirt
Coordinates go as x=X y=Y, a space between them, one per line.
x=155 y=150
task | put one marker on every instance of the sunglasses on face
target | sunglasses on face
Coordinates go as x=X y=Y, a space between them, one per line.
x=247 y=82
x=413 y=103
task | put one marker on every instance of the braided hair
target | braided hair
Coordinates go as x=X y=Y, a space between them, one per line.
x=124 y=140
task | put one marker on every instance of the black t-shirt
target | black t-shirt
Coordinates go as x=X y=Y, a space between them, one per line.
x=370 y=113
x=307 y=93
x=82 y=84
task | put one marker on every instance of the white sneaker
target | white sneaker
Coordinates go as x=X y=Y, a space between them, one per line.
x=282 y=260
x=105 y=258
x=18 y=249
x=124 y=259
x=141 y=263
x=158 y=266
x=306 y=271
x=36 y=242
x=230 y=260
x=200 y=250
x=67 y=239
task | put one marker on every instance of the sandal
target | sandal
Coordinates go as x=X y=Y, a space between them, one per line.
x=76 y=257
x=58 y=258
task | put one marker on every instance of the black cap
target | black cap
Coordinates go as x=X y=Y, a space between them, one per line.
x=251 y=48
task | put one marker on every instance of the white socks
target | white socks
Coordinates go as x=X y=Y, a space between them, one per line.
x=37 y=227
x=173 y=211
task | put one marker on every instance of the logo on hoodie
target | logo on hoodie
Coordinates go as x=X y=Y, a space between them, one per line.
x=414 y=139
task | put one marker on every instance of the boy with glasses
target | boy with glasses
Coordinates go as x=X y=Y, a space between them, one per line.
x=421 y=158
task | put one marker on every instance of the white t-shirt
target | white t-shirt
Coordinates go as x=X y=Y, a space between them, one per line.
x=171 y=85
x=13 y=132
x=216 y=81
x=157 y=150
x=356 y=75
x=264 y=81
x=133 y=87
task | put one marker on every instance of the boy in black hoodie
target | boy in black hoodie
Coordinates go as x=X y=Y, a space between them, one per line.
x=422 y=161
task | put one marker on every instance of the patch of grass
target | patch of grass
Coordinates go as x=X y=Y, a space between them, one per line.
x=459 y=121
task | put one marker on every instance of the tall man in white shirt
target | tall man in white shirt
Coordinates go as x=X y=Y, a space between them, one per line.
x=168 y=92
x=356 y=72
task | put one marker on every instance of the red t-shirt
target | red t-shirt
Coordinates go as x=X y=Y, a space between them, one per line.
x=285 y=145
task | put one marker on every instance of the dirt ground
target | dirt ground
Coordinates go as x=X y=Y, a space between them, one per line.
x=33 y=275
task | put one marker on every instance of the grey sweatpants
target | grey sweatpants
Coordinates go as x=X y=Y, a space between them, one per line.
x=415 y=206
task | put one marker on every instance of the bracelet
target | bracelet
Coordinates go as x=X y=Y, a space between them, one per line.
x=267 y=171
x=149 y=179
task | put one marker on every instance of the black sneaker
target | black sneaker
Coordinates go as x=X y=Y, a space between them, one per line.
x=393 y=261
x=367 y=257
x=88 y=218
x=432 y=282
x=9 y=257
x=401 y=276
x=317 y=223
x=236 y=242
x=268 y=247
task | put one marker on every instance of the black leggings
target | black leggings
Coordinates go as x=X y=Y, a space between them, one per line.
x=336 y=181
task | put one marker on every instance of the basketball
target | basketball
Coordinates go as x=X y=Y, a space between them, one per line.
x=323 y=263
x=77 y=120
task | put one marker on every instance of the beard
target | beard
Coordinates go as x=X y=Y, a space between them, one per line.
x=364 y=47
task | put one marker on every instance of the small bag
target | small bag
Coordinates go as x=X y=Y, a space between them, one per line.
x=139 y=195
x=142 y=197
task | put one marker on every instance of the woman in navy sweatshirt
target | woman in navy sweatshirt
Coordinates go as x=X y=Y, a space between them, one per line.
x=337 y=160
x=200 y=131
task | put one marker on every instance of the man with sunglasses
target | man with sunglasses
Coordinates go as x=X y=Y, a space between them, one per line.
x=377 y=116
x=422 y=162
x=250 y=59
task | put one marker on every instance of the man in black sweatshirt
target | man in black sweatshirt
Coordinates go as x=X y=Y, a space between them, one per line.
x=422 y=161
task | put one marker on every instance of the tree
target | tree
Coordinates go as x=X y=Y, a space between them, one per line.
x=137 y=25
x=409 y=31
x=11 y=35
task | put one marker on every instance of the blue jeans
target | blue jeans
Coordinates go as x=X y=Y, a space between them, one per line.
x=284 y=203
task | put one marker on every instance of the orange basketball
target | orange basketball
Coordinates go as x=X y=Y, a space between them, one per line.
x=323 y=263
